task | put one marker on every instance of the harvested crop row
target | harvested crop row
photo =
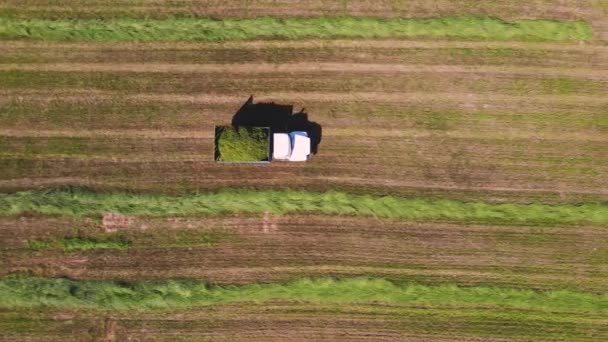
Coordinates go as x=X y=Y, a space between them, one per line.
x=126 y=147
x=428 y=159
x=434 y=80
x=308 y=67
x=365 y=51
x=268 y=247
x=96 y=48
x=288 y=320
x=495 y=164
x=58 y=110
x=186 y=176
x=489 y=171
x=502 y=151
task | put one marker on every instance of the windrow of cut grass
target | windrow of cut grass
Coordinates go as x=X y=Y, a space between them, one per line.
x=255 y=8
x=204 y=29
x=27 y=292
x=78 y=202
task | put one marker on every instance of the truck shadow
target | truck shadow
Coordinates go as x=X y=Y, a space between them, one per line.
x=280 y=119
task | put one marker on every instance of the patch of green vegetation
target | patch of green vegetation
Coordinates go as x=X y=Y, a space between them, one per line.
x=561 y=86
x=557 y=86
x=242 y=144
x=22 y=292
x=55 y=79
x=166 y=238
x=115 y=113
x=133 y=83
x=27 y=322
x=285 y=53
x=487 y=55
x=204 y=29
x=600 y=120
x=83 y=148
x=79 y=202
x=441 y=121
x=32 y=146
x=17 y=167
x=77 y=244
x=562 y=121
x=190 y=83
x=103 y=113
x=186 y=238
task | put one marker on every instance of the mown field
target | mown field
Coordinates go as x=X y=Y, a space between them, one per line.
x=460 y=190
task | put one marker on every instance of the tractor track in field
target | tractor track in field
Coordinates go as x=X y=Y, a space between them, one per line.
x=559 y=56
x=267 y=68
x=300 y=98
x=100 y=177
x=329 y=132
x=300 y=44
x=289 y=320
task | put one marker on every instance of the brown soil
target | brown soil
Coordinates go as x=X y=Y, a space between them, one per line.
x=278 y=248
x=282 y=320
x=265 y=68
x=100 y=48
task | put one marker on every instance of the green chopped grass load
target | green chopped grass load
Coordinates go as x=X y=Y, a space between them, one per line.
x=242 y=144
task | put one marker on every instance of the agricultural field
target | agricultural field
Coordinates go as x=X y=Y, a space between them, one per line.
x=459 y=191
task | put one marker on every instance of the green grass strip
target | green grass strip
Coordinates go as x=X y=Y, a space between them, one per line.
x=21 y=292
x=204 y=29
x=78 y=202
x=122 y=242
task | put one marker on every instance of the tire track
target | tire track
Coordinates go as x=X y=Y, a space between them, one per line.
x=298 y=98
x=266 y=180
x=328 y=132
x=266 y=68
x=310 y=43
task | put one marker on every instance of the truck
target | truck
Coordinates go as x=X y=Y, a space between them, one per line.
x=293 y=146
x=260 y=145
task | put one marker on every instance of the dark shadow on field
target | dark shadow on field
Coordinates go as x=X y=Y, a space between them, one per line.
x=280 y=119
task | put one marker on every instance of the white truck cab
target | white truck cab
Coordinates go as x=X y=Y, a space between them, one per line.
x=294 y=146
